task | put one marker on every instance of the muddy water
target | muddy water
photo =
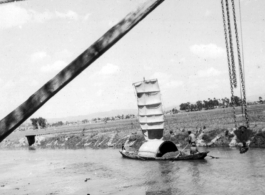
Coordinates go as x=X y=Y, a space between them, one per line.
x=105 y=172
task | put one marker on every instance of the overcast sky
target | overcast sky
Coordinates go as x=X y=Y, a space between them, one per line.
x=181 y=43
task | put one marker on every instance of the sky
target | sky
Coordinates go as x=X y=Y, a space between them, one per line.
x=181 y=43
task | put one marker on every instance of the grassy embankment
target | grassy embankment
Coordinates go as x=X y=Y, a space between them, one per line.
x=218 y=122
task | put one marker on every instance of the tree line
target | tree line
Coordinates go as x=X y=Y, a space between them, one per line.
x=113 y=118
x=41 y=123
x=210 y=104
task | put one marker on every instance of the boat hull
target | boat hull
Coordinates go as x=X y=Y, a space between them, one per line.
x=199 y=156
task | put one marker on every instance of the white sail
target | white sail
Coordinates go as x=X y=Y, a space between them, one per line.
x=151 y=117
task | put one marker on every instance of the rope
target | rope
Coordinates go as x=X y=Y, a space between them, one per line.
x=240 y=66
x=229 y=65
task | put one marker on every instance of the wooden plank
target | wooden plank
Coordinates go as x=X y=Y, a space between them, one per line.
x=40 y=97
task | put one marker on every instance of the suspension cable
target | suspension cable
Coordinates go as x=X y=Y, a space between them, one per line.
x=231 y=46
x=242 y=105
x=241 y=32
x=242 y=45
x=229 y=65
x=240 y=66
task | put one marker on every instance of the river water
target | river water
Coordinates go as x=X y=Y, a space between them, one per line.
x=104 y=171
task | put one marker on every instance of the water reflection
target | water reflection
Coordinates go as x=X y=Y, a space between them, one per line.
x=168 y=178
x=195 y=171
x=160 y=181
x=32 y=148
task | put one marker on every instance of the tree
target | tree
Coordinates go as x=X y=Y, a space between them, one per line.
x=184 y=106
x=60 y=123
x=215 y=102
x=85 y=121
x=206 y=104
x=174 y=111
x=38 y=123
x=227 y=102
x=106 y=119
x=193 y=107
x=210 y=103
x=34 y=122
x=260 y=100
x=237 y=100
x=223 y=102
x=199 y=105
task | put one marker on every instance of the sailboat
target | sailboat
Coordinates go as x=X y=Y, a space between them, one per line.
x=151 y=119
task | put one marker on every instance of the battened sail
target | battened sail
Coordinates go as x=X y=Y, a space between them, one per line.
x=150 y=113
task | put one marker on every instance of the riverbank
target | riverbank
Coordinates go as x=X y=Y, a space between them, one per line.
x=209 y=137
x=218 y=131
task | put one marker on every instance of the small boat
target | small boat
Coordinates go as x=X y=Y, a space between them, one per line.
x=198 y=156
x=151 y=120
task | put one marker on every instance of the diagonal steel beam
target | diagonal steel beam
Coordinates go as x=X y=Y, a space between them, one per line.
x=40 y=97
x=8 y=1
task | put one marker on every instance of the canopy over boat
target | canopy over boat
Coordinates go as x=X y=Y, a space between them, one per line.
x=150 y=113
x=156 y=148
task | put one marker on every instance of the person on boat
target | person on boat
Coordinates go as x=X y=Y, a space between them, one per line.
x=123 y=148
x=193 y=149
x=192 y=138
x=192 y=142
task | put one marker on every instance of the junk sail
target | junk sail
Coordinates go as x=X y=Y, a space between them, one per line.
x=150 y=113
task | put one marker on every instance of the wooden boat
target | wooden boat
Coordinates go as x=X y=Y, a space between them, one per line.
x=151 y=120
x=198 y=156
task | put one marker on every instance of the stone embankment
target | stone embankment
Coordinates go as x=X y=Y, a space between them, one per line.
x=93 y=140
x=132 y=141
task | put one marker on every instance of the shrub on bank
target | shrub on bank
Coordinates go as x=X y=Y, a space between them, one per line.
x=211 y=134
x=258 y=140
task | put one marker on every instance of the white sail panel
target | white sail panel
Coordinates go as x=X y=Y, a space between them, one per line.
x=150 y=110
x=147 y=86
x=150 y=113
x=151 y=119
x=149 y=98
x=152 y=126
